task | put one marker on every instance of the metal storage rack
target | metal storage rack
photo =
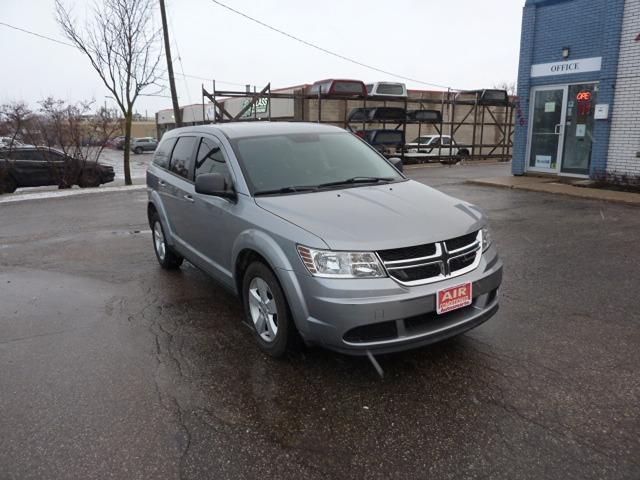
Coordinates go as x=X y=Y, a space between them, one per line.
x=484 y=108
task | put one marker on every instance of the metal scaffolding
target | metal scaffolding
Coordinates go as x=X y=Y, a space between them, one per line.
x=477 y=110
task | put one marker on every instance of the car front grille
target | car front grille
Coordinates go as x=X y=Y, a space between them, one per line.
x=431 y=262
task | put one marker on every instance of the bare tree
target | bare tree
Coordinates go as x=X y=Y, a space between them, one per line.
x=510 y=87
x=122 y=44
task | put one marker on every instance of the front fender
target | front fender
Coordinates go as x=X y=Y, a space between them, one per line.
x=263 y=244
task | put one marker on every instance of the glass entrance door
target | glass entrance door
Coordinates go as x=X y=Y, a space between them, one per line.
x=547 y=128
x=579 y=124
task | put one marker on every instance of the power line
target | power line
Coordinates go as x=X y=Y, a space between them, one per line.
x=312 y=45
x=51 y=39
x=37 y=35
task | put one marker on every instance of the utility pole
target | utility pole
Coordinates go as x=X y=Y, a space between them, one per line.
x=167 y=51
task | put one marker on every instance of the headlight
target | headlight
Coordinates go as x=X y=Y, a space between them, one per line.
x=486 y=238
x=326 y=263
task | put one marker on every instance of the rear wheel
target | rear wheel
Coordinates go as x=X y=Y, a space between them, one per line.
x=167 y=258
x=8 y=184
x=463 y=153
x=266 y=310
x=137 y=150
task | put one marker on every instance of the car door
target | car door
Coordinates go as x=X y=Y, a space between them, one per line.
x=32 y=169
x=446 y=146
x=177 y=190
x=214 y=217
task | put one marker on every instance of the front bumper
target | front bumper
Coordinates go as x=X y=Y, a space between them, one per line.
x=382 y=316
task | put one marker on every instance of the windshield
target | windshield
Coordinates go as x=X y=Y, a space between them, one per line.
x=278 y=162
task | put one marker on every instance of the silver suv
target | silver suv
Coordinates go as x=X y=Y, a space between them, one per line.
x=321 y=237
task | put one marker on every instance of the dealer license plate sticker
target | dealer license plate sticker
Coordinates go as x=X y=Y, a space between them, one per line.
x=453 y=298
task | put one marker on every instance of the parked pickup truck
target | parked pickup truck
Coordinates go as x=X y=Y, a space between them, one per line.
x=42 y=166
x=432 y=147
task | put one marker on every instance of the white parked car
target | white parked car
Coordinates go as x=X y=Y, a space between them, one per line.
x=428 y=147
x=387 y=89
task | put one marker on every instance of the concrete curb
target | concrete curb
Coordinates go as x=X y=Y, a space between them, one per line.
x=544 y=185
x=50 y=194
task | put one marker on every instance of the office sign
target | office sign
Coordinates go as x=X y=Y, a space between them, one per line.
x=567 y=67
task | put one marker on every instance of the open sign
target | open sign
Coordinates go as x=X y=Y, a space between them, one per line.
x=584 y=96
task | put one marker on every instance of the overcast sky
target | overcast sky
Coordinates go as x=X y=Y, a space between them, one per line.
x=459 y=43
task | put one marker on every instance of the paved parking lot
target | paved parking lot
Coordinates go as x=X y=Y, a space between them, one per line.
x=112 y=368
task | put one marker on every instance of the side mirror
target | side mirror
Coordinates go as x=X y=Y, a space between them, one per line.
x=215 y=185
x=396 y=162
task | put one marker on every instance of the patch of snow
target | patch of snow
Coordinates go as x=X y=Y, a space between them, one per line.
x=67 y=193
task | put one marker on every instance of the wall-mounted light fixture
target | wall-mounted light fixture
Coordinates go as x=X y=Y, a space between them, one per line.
x=566 y=51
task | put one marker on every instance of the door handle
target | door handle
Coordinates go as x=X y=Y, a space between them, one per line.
x=557 y=129
x=188 y=198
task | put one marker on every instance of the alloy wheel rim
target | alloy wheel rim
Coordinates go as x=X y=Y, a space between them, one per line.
x=263 y=309
x=158 y=241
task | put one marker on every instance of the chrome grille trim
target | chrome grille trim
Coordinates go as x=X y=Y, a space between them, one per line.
x=443 y=257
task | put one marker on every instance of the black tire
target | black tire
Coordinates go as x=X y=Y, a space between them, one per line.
x=286 y=333
x=463 y=153
x=168 y=258
x=137 y=150
x=8 y=185
x=89 y=178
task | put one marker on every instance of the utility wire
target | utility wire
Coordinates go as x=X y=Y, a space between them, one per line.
x=329 y=52
x=37 y=35
x=51 y=39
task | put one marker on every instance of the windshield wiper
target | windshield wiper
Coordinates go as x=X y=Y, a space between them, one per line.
x=293 y=189
x=353 y=180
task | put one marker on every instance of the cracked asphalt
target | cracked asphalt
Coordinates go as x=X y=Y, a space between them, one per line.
x=113 y=368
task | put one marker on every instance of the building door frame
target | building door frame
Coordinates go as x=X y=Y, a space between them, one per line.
x=562 y=128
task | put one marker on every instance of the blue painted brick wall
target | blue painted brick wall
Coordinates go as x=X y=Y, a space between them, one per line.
x=590 y=28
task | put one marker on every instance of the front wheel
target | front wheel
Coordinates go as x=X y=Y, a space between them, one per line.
x=266 y=310
x=167 y=258
x=89 y=178
x=137 y=150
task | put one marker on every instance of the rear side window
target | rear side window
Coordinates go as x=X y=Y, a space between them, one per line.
x=211 y=159
x=163 y=152
x=347 y=87
x=390 y=89
x=182 y=158
x=446 y=141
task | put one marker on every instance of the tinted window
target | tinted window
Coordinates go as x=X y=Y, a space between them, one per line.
x=387 y=137
x=390 y=89
x=163 y=152
x=278 y=161
x=210 y=159
x=182 y=157
x=347 y=87
x=446 y=141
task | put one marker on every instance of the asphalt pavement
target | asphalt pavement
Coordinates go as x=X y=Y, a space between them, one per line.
x=113 y=368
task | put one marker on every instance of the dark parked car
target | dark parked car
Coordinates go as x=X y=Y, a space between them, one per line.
x=42 y=166
x=143 y=144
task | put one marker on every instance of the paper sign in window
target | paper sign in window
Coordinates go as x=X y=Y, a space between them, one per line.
x=549 y=107
x=543 y=161
x=581 y=130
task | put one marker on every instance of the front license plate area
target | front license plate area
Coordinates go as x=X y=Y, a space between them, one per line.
x=453 y=298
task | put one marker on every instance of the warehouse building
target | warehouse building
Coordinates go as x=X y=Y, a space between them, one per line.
x=579 y=90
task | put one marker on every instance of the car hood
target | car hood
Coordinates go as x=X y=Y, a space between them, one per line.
x=377 y=217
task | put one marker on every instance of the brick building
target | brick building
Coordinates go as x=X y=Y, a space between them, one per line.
x=579 y=89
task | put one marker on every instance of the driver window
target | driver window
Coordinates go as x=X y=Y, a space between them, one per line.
x=211 y=159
